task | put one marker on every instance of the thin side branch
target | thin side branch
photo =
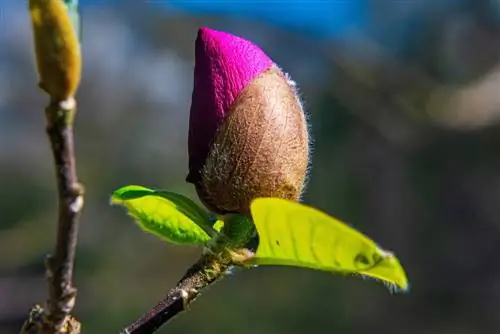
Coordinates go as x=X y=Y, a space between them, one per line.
x=60 y=117
x=58 y=58
x=203 y=273
x=59 y=266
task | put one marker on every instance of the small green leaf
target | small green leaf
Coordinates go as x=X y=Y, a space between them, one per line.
x=168 y=215
x=238 y=229
x=293 y=234
x=218 y=225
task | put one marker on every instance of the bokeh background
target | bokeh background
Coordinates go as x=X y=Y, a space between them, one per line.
x=404 y=103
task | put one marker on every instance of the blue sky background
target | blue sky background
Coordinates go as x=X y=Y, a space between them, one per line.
x=317 y=17
x=394 y=23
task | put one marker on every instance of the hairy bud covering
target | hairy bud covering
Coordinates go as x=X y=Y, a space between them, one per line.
x=255 y=141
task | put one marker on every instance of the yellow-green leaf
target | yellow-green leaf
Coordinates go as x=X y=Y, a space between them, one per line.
x=170 y=216
x=294 y=234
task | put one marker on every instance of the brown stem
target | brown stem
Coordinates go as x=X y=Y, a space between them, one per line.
x=59 y=266
x=203 y=273
x=60 y=116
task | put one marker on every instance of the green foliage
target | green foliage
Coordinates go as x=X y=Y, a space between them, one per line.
x=238 y=229
x=289 y=233
x=170 y=216
x=297 y=235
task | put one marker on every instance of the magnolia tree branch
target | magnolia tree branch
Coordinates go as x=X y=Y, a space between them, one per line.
x=60 y=116
x=58 y=59
x=59 y=266
x=203 y=273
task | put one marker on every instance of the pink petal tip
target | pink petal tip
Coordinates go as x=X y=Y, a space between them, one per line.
x=224 y=65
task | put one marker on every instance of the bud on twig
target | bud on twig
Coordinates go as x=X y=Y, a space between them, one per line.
x=57 y=48
x=248 y=133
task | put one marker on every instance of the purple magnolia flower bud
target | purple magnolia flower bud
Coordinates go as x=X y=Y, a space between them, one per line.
x=247 y=130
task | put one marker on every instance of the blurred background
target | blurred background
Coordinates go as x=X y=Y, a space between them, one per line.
x=403 y=99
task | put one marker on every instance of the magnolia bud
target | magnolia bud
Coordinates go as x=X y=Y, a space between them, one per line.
x=57 y=48
x=248 y=133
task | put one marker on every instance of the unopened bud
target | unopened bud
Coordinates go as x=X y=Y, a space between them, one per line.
x=248 y=133
x=57 y=48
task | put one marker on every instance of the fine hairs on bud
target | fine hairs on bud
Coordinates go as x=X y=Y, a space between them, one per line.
x=260 y=150
x=300 y=101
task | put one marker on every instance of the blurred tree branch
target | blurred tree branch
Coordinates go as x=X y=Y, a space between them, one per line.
x=58 y=58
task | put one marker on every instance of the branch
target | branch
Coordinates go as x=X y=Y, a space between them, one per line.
x=59 y=273
x=203 y=273
x=58 y=58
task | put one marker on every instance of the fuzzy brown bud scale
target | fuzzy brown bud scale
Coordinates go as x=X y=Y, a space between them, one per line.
x=260 y=150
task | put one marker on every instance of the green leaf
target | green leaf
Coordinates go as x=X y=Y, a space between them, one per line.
x=294 y=234
x=170 y=216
